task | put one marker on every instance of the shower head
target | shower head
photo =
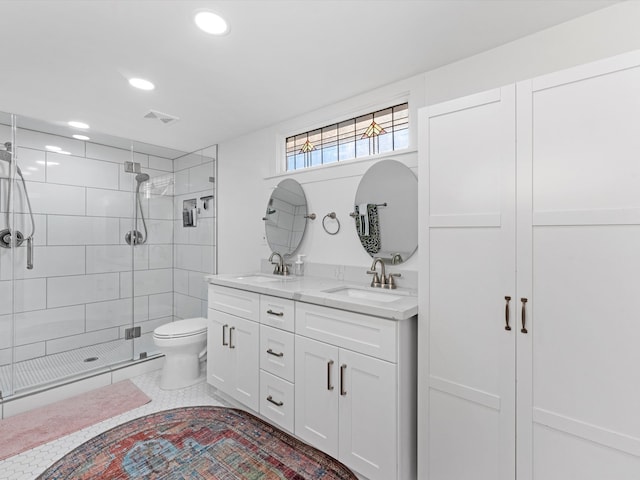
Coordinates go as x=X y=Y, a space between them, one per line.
x=6 y=153
x=142 y=177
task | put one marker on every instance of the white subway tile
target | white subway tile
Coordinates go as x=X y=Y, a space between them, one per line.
x=39 y=141
x=187 y=161
x=47 y=324
x=198 y=286
x=30 y=295
x=160 y=256
x=70 y=170
x=180 y=233
x=160 y=207
x=83 y=340
x=181 y=185
x=187 y=307
x=115 y=313
x=75 y=230
x=199 y=177
x=109 y=154
x=160 y=232
x=32 y=164
x=181 y=281
x=109 y=203
x=47 y=262
x=49 y=198
x=160 y=305
x=147 y=282
x=160 y=163
x=202 y=234
x=6 y=332
x=188 y=257
x=115 y=258
x=27 y=352
x=80 y=289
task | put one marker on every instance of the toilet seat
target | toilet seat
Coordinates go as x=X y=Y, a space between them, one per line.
x=182 y=328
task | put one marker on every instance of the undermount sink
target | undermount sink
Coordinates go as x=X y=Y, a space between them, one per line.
x=365 y=294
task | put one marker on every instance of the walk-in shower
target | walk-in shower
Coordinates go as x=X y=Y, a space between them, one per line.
x=9 y=239
x=91 y=301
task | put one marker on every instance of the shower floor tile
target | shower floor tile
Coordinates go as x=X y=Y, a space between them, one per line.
x=28 y=465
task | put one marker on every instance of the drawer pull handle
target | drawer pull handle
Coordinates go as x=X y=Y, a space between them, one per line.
x=524 y=315
x=343 y=367
x=224 y=334
x=329 y=365
x=277 y=314
x=506 y=314
x=276 y=403
x=271 y=352
x=230 y=342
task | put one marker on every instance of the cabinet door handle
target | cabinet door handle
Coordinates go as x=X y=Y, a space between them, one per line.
x=231 y=345
x=224 y=334
x=329 y=368
x=343 y=367
x=277 y=314
x=271 y=352
x=277 y=404
x=506 y=314
x=524 y=315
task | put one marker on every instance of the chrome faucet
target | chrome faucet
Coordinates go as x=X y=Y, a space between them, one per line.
x=382 y=281
x=280 y=268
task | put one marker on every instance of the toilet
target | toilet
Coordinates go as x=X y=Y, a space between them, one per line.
x=184 y=343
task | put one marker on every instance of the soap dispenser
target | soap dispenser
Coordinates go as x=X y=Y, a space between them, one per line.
x=298 y=268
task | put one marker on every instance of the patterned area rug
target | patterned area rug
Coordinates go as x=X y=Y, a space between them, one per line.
x=197 y=443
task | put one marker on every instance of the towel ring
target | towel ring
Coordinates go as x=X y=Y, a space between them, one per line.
x=331 y=215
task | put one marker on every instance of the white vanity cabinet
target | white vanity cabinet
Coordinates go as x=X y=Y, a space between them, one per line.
x=233 y=344
x=355 y=389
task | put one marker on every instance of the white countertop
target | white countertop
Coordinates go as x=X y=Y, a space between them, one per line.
x=398 y=304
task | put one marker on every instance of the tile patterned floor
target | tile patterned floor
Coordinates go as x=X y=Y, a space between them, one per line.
x=28 y=465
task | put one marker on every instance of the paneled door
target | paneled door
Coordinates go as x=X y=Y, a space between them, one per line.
x=579 y=248
x=467 y=204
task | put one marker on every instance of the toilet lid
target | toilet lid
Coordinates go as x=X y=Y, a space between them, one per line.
x=182 y=328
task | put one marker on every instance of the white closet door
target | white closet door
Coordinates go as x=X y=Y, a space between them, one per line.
x=468 y=203
x=579 y=266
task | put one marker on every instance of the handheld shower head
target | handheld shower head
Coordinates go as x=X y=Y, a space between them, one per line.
x=6 y=153
x=142 y=177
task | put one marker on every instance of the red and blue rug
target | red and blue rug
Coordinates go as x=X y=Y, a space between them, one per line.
x=197 y=443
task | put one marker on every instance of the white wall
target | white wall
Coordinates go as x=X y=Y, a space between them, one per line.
x=247 y=164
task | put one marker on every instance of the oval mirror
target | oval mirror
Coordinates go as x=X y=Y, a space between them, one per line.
x=285 y=217
x=386 y=211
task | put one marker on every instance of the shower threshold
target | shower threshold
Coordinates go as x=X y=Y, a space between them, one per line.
x=42 y=372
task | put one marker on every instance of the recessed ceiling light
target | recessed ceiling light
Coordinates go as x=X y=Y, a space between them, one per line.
x=52 y=148
x=80 y=137
x=211 y=23
x=141 y=83
x=76 y=124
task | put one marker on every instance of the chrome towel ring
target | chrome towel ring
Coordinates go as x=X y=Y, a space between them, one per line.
x=332 y=216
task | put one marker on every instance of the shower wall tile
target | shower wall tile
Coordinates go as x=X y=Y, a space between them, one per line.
x=29 y=295
x=146 y=282
x=180 y=233
x=70 y=170
x=161 y=208
x=115 y=313
x=54 y=199
x=181 y=281
x=115 y=258
x=39 y=141
x=46 y=324
x=198 y=286
x=160 y=305
x=109 y=154
x=188 y=257
x=109 y=203
x=187 y=307
x=203 y=234
x=69 y=230
x=85 y=339
x=181 y=185
x=187 y=161
x=6 y=306
x=27 y=352
x=48 y=262
x=160 y=163
x=160 y=256
x=160 y=232
x=32 y=164
x=5 y=331
x=23 y=224
x=82 y=289
x=199 y=177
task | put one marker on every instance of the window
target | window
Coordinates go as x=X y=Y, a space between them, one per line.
x=383 y=131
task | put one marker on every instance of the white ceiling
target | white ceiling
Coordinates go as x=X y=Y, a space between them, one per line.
x=70 y=59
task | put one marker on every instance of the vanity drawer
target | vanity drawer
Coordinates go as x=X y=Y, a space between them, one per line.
x=277 y=312
x=236 y=302
x=372 y=336
x=277 y=400
x=277 y=352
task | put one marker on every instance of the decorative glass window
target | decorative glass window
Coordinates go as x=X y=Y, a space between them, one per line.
x=378 y=132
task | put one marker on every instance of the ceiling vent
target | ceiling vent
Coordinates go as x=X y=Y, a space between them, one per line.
x=164 y=118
